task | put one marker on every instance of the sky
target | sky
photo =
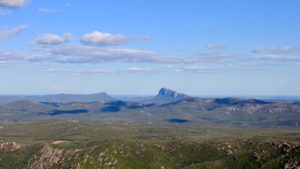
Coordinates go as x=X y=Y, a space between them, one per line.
x=198 y=47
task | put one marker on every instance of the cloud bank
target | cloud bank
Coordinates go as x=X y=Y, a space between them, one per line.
x=193 y=69
x=278 y=50
x=96 y=47
x=90 y=54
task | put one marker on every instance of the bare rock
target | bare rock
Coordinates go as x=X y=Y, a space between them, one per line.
x=49 y=157
x=9 y=146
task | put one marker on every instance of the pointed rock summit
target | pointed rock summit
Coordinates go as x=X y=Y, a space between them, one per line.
x=165 y=92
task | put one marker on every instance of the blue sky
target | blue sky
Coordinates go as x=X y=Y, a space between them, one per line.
x=207 y=47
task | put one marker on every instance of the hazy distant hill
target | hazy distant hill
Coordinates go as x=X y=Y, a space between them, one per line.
x=59 y=98
x=165 y=108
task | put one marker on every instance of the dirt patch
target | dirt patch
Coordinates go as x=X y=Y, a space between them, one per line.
x=60 y=142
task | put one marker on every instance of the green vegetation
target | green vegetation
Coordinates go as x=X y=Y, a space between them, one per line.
x=89 y=146
x=18 y=158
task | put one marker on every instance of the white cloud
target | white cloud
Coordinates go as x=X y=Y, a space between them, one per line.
x=140 y=70
x=83 y=54
x=9 y=56
x=278 y=50
x=191 y=68
x=90 y=54
x=12 y=32
x=278 y=58
x=47 y=10
x=103 y=39
x=100 y=71
x=12 y=3
x=53 y=39
x=196 y=69
x=92 y=71
x=216 y=57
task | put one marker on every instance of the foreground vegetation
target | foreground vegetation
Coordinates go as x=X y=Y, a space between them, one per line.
x=89 y=146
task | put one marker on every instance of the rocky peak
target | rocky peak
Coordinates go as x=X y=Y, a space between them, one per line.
x=171 y=93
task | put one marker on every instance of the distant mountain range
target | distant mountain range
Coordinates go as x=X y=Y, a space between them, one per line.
x=164 y=96
x=167 y=107
x=59 y=98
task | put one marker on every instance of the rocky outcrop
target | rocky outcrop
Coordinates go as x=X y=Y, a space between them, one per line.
x=49 y=157
x=9 y=146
